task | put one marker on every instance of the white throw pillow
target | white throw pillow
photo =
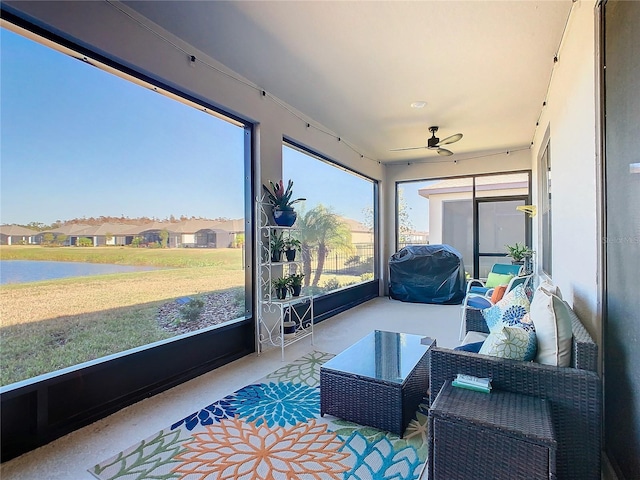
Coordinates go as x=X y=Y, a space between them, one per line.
x=551 y=288
x=553 y=328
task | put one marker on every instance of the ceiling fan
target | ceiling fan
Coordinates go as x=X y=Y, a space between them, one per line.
x=434 y=143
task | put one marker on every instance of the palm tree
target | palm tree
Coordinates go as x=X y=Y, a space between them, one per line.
x=321 y=230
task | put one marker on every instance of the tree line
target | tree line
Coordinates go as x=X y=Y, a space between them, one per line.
x=101 y=220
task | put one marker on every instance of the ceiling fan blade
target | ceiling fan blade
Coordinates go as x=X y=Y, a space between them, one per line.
x=406 y=148
x=444 y=152
x=451 y=139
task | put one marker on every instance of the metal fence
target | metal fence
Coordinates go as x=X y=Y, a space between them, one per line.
x=341 y=263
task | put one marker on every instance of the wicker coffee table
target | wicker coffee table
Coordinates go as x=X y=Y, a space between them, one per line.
x=379 y=381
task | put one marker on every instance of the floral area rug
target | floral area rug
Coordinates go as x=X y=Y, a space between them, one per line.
x=272 y=430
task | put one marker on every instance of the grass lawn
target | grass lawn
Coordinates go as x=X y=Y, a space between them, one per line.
x=55 y=324
x=154 y=257
x=49 y=325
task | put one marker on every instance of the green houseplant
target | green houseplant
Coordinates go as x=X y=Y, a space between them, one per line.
x=521 y=255
x=519 y=252
x=281 y=285
x=291 y=245
x=281 y=203
x=276 y=246
x=295 y=283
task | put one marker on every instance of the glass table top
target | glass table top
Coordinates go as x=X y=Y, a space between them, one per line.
x=385 y=356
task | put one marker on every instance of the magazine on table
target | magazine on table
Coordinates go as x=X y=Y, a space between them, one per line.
x=472 y=383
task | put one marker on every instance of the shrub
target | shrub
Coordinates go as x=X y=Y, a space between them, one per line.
x=85 y=242
x=191 y=310
x=239 y=301
x=352 y=261
x=331 y=284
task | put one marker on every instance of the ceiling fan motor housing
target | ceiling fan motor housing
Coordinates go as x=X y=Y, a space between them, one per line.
x=433 y=141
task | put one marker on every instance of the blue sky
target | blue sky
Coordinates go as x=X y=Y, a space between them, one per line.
x=320 y=183
x=417 y=206
x=76 y=142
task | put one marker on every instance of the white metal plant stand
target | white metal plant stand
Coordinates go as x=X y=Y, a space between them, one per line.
x=272 y=313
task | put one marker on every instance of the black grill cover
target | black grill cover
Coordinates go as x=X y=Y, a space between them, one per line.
x=427 y=274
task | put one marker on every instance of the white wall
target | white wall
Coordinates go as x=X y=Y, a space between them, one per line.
x=436 y=207
x=570 y=115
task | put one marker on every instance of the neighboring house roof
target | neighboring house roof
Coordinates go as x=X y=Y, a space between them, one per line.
x=234 y=225
x=483 y=183
x=170 y=227
x=186 y=226
x=72 y=229
x=355 y=226
x=16 y=230
x=193 y=226
x=111 y=228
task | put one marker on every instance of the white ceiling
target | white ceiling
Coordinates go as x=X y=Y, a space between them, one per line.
x=482 y=67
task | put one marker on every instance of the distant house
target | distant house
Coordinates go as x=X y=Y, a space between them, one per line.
x=17 y=235
x=194 y=233
x=209 y=233
x=70 y=234
x=187 y=234
x=360 y=233
x=414 y=237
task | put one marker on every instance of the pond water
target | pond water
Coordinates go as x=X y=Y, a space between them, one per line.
x=22 y=271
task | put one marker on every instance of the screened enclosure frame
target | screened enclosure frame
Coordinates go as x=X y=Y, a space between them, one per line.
x=39 y=410
x=474 y=213
x=287 y=141
x=476 y=225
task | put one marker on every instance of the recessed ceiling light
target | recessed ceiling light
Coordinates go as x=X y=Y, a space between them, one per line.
x=418 y=104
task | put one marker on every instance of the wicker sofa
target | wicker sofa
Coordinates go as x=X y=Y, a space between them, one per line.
x=574 y=393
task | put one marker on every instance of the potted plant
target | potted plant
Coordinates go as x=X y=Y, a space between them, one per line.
x=291 y=245
x=281 y=285
x=295 y=283
x=276 y=246
x=289 y=329
x=280 y=200
x=519 y=253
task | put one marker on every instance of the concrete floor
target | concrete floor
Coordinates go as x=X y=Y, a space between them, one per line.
x=69 y=457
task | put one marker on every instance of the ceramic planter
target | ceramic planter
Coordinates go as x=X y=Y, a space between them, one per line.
x=284 y=218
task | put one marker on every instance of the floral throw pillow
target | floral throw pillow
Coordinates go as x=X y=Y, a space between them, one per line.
x=509 y=311
x=511 y=342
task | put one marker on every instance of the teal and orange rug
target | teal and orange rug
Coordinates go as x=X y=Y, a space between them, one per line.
x=272 y=430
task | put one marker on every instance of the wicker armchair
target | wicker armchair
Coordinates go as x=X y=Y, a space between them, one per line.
x=574 y=394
